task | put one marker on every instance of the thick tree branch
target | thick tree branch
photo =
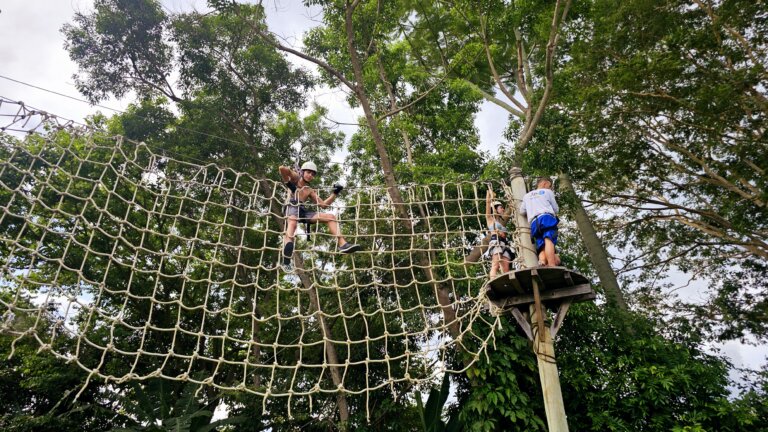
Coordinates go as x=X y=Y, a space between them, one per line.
x=557 y=20
x=490 y=98
x=496 y=78
x=713 y=176
x=267 y=37
x=140 y=78
x=393 y=106
x=523 y=69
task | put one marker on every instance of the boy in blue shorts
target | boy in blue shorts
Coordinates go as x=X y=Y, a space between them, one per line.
x=541 y=208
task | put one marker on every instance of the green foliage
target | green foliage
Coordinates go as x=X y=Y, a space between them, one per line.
x=663 y=100
x=233 y=85
x=503 y=392
x=740 y=305
x=161 y=405
x=138 y=56
x=435 y=133
x=612 y=380
x=37 y=390
x=431 y=415
x=150 y=120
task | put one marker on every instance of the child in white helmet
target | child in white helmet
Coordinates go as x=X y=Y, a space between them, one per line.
x=300 y=192
x=499 y=249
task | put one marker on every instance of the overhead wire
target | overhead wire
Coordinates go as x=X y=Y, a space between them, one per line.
x=117 y=110
x=137 y=115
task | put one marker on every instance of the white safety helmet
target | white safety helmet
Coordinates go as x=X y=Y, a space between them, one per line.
x=308 y=165
x=496 y=204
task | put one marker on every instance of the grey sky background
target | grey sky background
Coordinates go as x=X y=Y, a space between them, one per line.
x=32 y=51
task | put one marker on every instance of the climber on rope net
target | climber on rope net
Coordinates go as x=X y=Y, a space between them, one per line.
x=499 y=249
x=134 y=265
x=540 y=207
x=299 y=185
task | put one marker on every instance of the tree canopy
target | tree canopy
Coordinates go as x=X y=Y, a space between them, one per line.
x=653 y=114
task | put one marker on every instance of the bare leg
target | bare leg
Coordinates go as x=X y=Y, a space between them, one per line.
x=333 y=225
x=290 y=229
x=494 y=265
x=286 y=255
x=504 y=264
x=549 y=250
x=542 y=258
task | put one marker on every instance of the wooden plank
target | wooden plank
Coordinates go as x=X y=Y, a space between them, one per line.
x=562 y=310
x=515 y=283
x=575 y=291
x=521 y=281
x=506 y=285
x=522 y=321
x=568 y=278
x=585 y=297
x=537 y=307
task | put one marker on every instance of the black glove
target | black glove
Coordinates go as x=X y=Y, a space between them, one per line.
x=337 y=188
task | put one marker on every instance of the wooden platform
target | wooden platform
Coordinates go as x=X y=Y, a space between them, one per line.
x=555 y=285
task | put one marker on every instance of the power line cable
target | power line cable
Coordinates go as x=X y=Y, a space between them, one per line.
x=164 y=150
x=117 y=110
x=123 y=112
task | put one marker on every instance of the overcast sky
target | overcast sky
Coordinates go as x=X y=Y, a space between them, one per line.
x=32 y=51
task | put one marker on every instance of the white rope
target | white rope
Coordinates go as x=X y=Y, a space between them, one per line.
x=166 y=268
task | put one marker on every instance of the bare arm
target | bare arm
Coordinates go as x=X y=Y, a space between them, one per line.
x=552 y=201
x=488 y=214
x=322 y=203
x=507 y=215
x=288 y=174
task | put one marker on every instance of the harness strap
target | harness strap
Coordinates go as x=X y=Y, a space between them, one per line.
x=544 y=214
x=294 y=201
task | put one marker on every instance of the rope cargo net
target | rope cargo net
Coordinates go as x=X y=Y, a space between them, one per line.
x=136 y=265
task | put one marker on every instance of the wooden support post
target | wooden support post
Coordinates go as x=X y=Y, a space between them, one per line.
x=543 y=345
x=536 y=281
x=523 y=323
x=561 y=311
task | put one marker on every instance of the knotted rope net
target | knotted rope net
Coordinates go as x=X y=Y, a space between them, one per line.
x=135 y=265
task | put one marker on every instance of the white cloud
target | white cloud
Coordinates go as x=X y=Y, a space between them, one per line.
x=32 y=49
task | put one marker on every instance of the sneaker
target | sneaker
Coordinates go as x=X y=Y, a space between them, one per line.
x=287 y=266
x=348 y=248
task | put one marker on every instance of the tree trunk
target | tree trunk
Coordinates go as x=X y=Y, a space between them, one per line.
x=442 y=292
x=393 y=107
x=597 y=253
x=330 y=350
x=478 y=250
x=275 y=208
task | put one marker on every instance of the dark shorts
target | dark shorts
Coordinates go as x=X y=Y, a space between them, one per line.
x=303 y=215
x=544 y=227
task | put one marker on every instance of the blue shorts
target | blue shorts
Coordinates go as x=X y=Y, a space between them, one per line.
x=544 y=226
